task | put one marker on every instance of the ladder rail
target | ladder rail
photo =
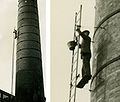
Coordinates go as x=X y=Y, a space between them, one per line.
x=73 y=81
x=76 y=69
x=71 y=75
x=72 y=57
x=78 y=52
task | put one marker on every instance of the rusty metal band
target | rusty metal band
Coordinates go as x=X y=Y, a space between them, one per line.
x=28 y=40
x=20 y=1
x=105 y=19
x=34 y=26
x=27 y=18
x=104 y=66
x=27 y=6
x=28 y=57
x=26 y=33
x=24 y=12
x=34 y=49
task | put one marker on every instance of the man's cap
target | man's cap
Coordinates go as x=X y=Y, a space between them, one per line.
x=86 y=31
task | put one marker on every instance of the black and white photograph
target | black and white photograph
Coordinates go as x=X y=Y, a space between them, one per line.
x=59 y=51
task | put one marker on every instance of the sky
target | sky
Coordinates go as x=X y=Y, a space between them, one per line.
x=8 y=20
x=62 y=27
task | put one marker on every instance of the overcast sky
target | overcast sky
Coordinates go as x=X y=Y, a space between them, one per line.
x=62 y=24
x=8 y=20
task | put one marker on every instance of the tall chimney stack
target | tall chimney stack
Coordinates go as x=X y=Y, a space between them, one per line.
x=29 y=74
x=105 y=84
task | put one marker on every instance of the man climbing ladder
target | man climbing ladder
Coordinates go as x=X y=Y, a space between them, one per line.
x=75 y=47
x=85 y=56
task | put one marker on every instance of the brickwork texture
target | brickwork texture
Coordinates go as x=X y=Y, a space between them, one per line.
x=29 y=74
x=105 y=84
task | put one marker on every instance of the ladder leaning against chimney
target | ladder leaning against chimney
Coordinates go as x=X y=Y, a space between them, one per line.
x=74 y=47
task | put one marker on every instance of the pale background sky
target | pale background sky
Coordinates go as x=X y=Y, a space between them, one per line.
x=8 y=20
x=62 y=23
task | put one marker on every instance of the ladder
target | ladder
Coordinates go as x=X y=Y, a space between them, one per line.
x=75 y=58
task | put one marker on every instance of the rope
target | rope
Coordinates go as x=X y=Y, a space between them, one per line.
x=12 y=65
